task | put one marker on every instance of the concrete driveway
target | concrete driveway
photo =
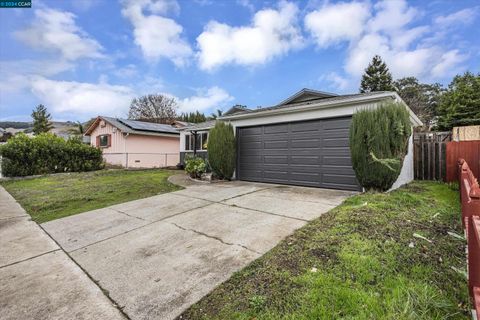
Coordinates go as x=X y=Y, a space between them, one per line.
x=157 y=256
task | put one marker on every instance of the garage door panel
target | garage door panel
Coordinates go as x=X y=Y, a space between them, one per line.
x=276 y=160
x=329 y=124
x=277 y=175
x=305 y=126
x=305 y=143
x=335 y=142
x=310 y=153
x=339 y=179
x=251 y=131
x=305 y=160
x=278 y=128
x=276 y=144
x=339 y=161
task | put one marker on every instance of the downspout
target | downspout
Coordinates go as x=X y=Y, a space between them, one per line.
x=125 y=149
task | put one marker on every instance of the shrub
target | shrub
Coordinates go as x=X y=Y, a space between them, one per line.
x=47 y=153
x=221 y=150
x=378 y=144
x=195 y=166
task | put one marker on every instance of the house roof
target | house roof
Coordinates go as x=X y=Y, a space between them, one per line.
x=135 y=126
x=200 y=126
x=236 y=109
x=307 y=94
x=321 y=103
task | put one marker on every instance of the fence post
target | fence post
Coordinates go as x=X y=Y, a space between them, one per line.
x=473 y=244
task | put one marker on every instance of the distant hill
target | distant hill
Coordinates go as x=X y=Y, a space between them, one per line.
x=15 y=124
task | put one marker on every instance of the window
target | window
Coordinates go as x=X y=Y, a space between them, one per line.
x=200 y=143
x=103 y=141
x=204 y=140
x=187 y=142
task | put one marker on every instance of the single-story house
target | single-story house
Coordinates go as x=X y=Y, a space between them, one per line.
x=303 y=140
x=135 y=144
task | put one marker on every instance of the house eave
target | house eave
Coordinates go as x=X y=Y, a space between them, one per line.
x=323 y=105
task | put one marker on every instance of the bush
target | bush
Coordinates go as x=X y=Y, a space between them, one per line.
x=378 y=144
x=195 y=166
x=221 y=150
x=47 y=153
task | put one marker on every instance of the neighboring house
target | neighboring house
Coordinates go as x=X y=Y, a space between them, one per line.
x=304 y=140
x=136 y=144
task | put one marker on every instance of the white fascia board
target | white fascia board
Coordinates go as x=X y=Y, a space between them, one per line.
x=315 y=111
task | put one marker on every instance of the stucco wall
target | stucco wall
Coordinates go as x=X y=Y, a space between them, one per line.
x=138 y=151
x=152 y=151
x=406 y=174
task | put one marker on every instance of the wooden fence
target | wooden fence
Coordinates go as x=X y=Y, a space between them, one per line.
x=429 y=154
x=470 y=200
x=468 y=150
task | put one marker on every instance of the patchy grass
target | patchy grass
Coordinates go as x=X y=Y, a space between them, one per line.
x=359 y=261
x=57 y=196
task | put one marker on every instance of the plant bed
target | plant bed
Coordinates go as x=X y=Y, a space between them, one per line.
x=376 y=256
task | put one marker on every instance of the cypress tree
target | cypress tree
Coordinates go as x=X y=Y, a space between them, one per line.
x=378 y=144
x=377 y=77
x=221 y=150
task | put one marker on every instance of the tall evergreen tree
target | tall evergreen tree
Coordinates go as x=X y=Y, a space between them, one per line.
x=377 y=77
x=460 y=105
x=41 y=120
x=422 y=98
x=193 y=117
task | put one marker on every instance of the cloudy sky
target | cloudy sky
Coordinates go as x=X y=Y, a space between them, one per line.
x=83 y=58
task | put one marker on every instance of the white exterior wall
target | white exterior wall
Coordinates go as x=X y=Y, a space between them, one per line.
x=406 y=174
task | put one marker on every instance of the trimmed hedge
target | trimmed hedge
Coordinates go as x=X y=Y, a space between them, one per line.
x=221 y=150
x=47 y=153
x=378 y=144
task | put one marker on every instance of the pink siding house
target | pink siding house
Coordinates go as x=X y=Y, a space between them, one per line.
x=135 y=144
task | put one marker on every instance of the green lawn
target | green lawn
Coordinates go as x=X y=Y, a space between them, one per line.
x=359 y=261
x=56 y=196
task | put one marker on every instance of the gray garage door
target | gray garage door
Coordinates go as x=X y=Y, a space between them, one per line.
x=308 y=153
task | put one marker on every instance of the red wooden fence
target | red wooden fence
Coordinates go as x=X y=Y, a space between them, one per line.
x=470 y=199
x=468 y=150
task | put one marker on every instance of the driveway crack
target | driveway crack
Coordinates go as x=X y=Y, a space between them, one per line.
x=215 y=238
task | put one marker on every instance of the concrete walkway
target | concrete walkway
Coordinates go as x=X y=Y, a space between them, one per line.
x=157 y=256
x=38 y=280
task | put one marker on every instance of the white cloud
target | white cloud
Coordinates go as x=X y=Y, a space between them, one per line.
x=273 y=32
x=205 y=99
x=157 y=36
x=385 y=29
x=337 y=22
x=461 y=17
x=337 y=82
x=448 y=63
x=81 y=98
x=391 y=15
x=55 y=30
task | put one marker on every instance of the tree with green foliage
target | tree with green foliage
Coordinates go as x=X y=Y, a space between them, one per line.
x=422 y=98
x=378 y=144
x=216 y=114
x=41 y=120
x=377 y=77
x=193 y=117
x=222 y=150
x=460 y=104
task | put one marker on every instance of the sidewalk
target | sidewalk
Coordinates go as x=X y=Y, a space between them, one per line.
x=37 y=278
